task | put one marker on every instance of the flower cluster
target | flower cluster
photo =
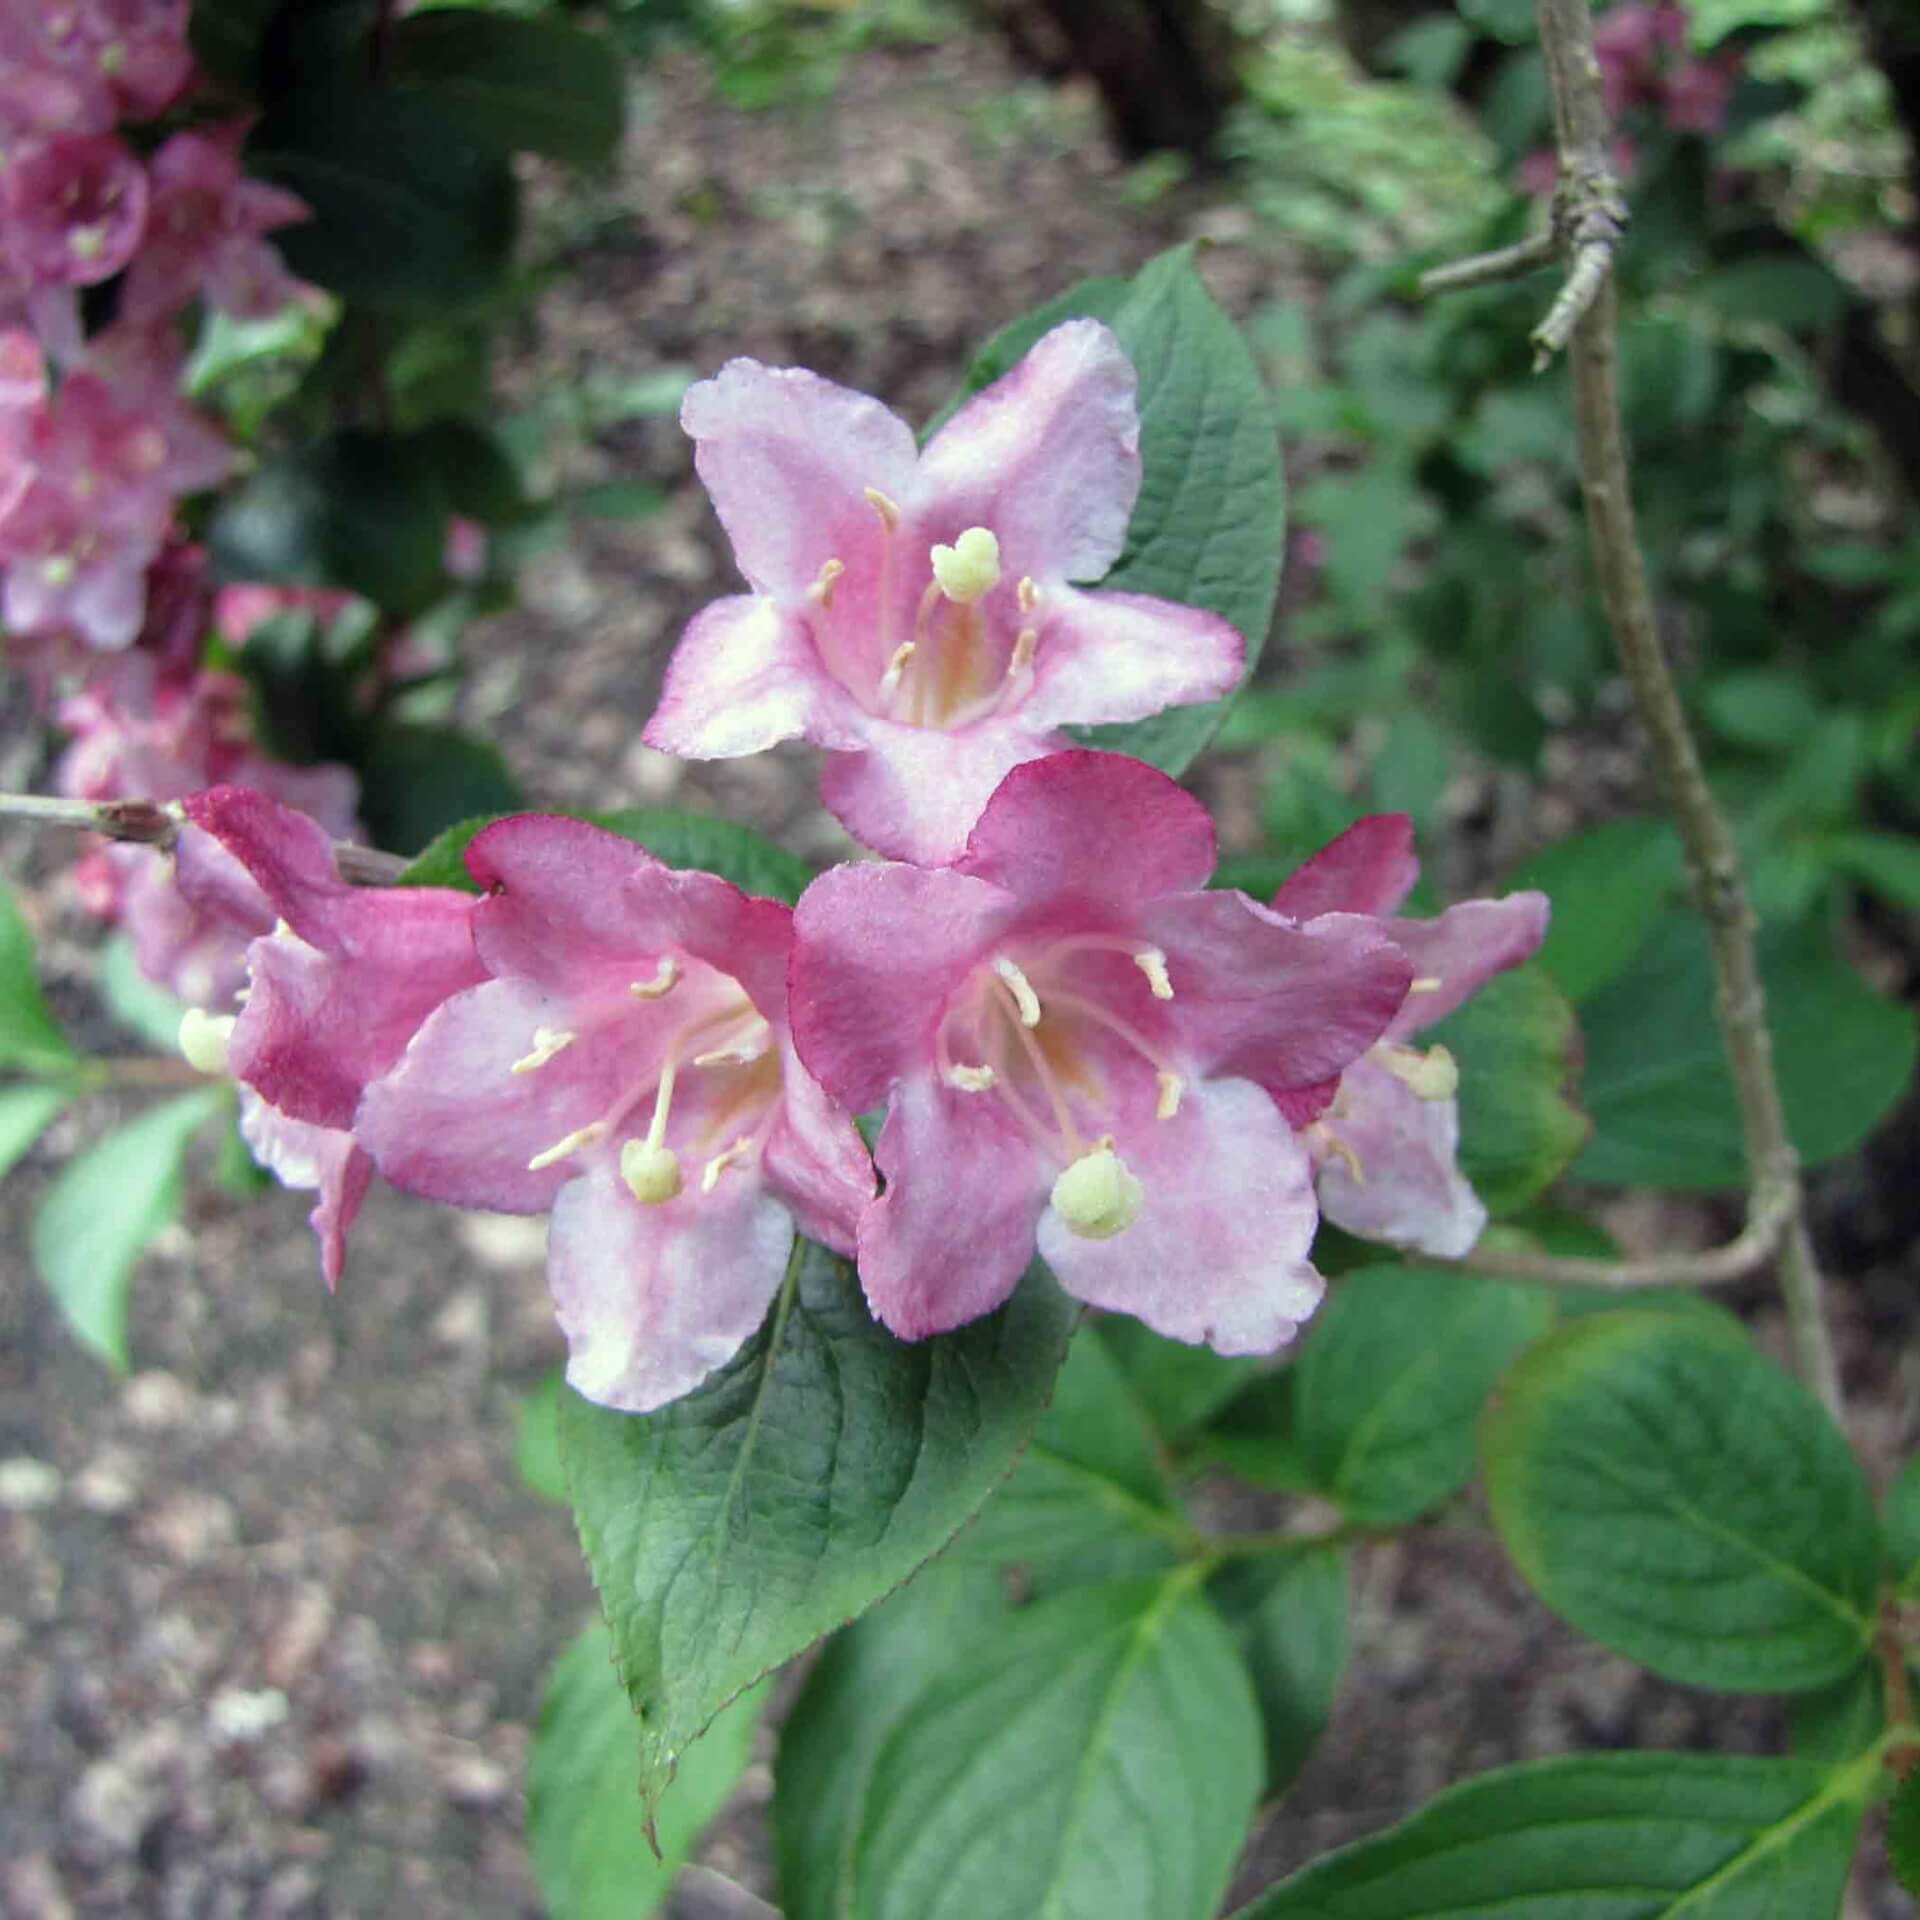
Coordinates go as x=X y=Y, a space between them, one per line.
x=1646 y=64
x=1082 y=1049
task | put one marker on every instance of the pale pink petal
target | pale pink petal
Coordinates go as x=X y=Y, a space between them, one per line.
x=1122 y=656
x=953 y=1232
x=816 y=1162
x=1095 y=827
x=744 y=677
x=916 y=792
x=1268 y=1000
x=787 y=457
x=322 y=1158
x=877 y=949
x=1048 y=458
x=1463 y=949
x=1219 y=1250
x=1370 y=868
x=652 y=1299
x=1411 y=1193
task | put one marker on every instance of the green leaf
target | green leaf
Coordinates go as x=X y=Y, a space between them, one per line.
x=26 y=1112
x=1098 y=1760
x=799 y=1483
x=1612 y=1836
x=1609 y=886
x=356 y=510
x=536 y=1440
x=140 y=1006
x=1519 y=1051
x=1179 y=1387
x=862 y=1687
x=1676 y=1496
x=475 y=474
x=1097 y=299
x=1656 y=1084
x=1884 y=863
x=751 y=861
x=1390 y=1380
x=1759 y=707
x=417 y=781
x=1210 y=522
x=1903 y=1833
x=30 y=1037
x=515 y=85
x=1901 y=1526
x=103 y=1209
x=585 y=1825
x=1287 y=1610
x=226 y=36
x=409 y=212
x=1257 y=1436
x=1801 y=294
x=1508 y=20
x=1834 y=1724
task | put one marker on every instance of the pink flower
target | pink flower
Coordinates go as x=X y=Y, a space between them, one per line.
x=1386 y=1143
x=239 y=610
x=626 y=1063
x=1698 y=92
x=79 y=65
x=322 y=1160
x=1080 y=1048
x=74 y=208
x=914 y=613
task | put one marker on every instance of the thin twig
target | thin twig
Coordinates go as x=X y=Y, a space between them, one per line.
x=1904 y=1757
x=1486 y=269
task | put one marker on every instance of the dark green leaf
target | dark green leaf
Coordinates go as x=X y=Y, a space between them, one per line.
x=1519 y=1049
x=1613 y=1836
x=1099 y=299
x=1760 y=707
x=536 y=1441
x=1903 y=1833
x=103 y=1209
x=417 y=781
x=1098 y=1760
x=1287 y=1610
x=1677 y=1497
x=141 y=1007
x=1656 y=1085
x=1179 y=1386
x=226 y=37
x=26 y=1112
x=1902 y=1527
x=475 y=474
x=30 y=1037
x=517 y=85
x=1608 y=886
x=1257 y=1436
x=585 y=1825
x=805 y=1479
x=1800 y=293
x=1834 y=1724
x=1884 y=863
x=1508 y=20
x=1390 y=1380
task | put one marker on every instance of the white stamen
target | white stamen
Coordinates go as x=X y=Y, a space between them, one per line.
x=1427 y=983
x=1153 y=963
x=1171 y=1088
x=203 y=1039
x=546 y=1043
x=1334 y=1148
x=970 y=1079
x=578 y=1138
x=666 y=977
x=749 y=1047
x=888 y=512
x=1024 y=643
x=821 y=592
x=1021 y=988
x=1028 y=594
x=897 y=666
x=1097 y=1196
x=1428 y=1076
x=651 y=1172
x=711 y=1172
x=968 y=570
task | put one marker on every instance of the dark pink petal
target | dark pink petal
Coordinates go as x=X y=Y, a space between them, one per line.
x=1048 y=457
x=787 y=457
x=916 y=792
x=744 y=677
x=1410 y=1193
x=877 y=949
x=816 y=1162
x=1281 y=1004
x=322 y=1158
x=1370 y=868
x=1219 y=1250
x=1094 y=827
x=652 y=1299
x=1463 y=949
x=1122 y=656
x=950 y=1237
x=215 y=884
x=75 y=205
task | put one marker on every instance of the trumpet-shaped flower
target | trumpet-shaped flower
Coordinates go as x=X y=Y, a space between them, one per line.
x=626 y=1063
x=914 y=612
x=1080 y=1047
x=1386 y=1144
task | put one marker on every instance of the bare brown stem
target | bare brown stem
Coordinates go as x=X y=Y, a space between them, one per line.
x=1904 y=1756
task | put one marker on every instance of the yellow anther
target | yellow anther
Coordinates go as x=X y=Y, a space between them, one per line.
x=969 y=569
x=1430 y=1076
x=896 y=666
x=578 y=1138
x=1171 y=1088
x=665 y=978
x=1021 y=988
x=1153 y=963
x=546 y=1043
x=970 y=1079
x=711 y=1172
x=821 y=592
x=1427 y=983
x=1023 y=645
x=1028 y=594
x=652 y=1172
x=888 y=512
x=1330 y=1144
x=1097 y=1197
x=203 y=1039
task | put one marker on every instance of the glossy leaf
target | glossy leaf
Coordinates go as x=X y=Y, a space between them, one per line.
x=586 y=1828
x=1614 y=1836
x=103 y=1209
x=30 y=1037
x=1609 y=886
x=1098 y=1760
x=1676 y=1496
x=802 y=1481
